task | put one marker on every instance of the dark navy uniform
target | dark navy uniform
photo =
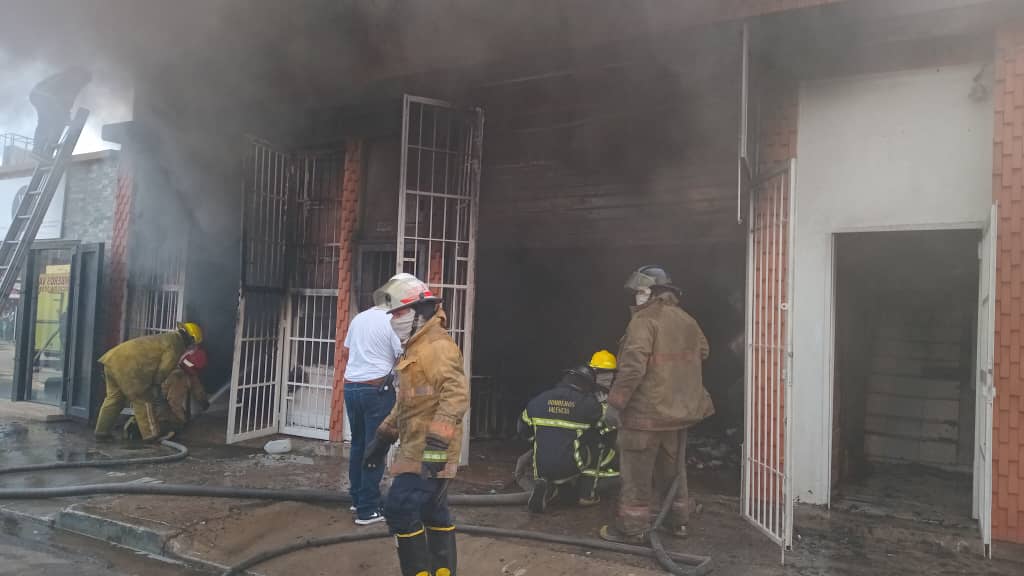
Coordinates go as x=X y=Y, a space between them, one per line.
x=570 y=443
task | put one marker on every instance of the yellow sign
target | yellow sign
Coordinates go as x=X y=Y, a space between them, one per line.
x=54 y=283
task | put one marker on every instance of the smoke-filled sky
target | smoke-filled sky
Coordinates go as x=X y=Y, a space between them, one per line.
x=308 y=50
x=107 y=99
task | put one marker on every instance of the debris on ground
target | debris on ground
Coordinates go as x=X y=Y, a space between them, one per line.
x=282 y=446
x=713 y=453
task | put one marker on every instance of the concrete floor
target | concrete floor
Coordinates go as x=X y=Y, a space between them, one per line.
x=911 y=492
x=225 y=531
x=72 y=555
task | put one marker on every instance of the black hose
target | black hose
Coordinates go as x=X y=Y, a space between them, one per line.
x=581 y=542
x=180 y=454
x=595 y=544
x=516 y=499
x=666 y=561
x=701 y=565
x=302 y=545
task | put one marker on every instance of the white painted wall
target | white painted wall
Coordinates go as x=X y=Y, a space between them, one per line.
x=903 y=150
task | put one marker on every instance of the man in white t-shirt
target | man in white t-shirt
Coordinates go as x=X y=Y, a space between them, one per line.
x=373 y=348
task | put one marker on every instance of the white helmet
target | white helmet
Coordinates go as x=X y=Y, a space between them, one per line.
x=401 y=291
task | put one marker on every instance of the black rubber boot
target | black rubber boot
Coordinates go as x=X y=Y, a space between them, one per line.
x=539 y=497
x=413 y=553
x=443 y=556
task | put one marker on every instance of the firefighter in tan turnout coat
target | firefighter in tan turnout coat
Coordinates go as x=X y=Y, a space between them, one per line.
x=433 y=396
x=657 y=395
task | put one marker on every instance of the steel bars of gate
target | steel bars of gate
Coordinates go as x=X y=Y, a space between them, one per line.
x=438 y=206
x=437 y=211
x=767 y=495
x=313 y=296
x=255 y=394
x=157 y=292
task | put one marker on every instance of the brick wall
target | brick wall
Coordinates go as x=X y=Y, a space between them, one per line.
x=117 y=253
x=89 y=212
x=776 y=143
x=1008 y=192
x=351 y=185
x=89 y=200
x=779 y=106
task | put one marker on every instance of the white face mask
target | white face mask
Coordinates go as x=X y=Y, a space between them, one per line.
x=402 y=325
x=604 y=380
x=642 y=296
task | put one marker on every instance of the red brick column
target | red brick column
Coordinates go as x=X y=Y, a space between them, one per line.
x=1008 y=192
x=118 y=251
x=350 y=187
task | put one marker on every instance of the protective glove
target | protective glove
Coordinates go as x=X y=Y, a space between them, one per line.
x=435 y=457
x=376 y=452
x=611 y=417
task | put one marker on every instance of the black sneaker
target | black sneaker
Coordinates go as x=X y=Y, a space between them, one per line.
x=371 y=519
x=539 y=497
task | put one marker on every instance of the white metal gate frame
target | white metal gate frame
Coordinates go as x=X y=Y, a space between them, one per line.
x=309 y=385
x=255 y=398
x=451 y=198
x=985 y=389
x=767 y=500
x=156 y=300
x=312 y=305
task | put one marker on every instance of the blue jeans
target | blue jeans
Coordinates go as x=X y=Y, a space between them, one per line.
x=414 y=502
x=367 y=406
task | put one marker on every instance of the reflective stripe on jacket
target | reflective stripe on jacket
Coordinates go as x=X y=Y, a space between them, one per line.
x=433 y=396
x=563 y=423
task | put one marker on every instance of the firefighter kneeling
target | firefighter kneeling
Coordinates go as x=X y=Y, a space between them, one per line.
x=135 y=370
x=178 y=391
x=573 y=450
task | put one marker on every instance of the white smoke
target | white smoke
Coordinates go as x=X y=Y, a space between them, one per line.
x=107 y=99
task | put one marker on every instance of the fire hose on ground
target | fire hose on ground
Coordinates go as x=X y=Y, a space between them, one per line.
x=691 y=565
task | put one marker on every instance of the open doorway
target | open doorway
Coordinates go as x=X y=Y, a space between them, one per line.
x=904 y=398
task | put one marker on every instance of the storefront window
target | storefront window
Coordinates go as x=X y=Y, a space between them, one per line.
x=49 y=310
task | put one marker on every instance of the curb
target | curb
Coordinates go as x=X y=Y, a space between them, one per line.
x=153 y=541
x=24 y=525
x=141 y=538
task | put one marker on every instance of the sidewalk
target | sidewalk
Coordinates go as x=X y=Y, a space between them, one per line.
x=218 y=532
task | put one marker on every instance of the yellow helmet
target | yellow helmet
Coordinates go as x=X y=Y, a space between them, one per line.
x=193 y=330
x=603 y=360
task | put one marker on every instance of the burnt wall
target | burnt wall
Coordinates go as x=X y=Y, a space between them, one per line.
x=540 y=311
x=590 y=174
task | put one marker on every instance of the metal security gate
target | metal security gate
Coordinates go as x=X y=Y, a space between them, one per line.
x=313 y=297
x=255 y=393
x=985 y=388
x=157 y=294
x=767 y=500
x=437 y=208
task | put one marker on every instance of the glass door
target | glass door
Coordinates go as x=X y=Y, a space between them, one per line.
x=49 y=306
x=9 y=313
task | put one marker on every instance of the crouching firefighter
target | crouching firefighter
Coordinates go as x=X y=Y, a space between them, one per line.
x=134 y=371
x=573 y=450
x=179 y=391
x=427 y=421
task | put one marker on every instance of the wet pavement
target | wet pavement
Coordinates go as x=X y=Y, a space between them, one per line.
x=73 y=555
x=221 y=531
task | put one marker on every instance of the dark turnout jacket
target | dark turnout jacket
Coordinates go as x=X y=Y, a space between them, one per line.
x=658 y=385
x=562 y=422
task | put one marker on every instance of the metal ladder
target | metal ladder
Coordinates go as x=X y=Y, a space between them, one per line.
x=32 y=208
